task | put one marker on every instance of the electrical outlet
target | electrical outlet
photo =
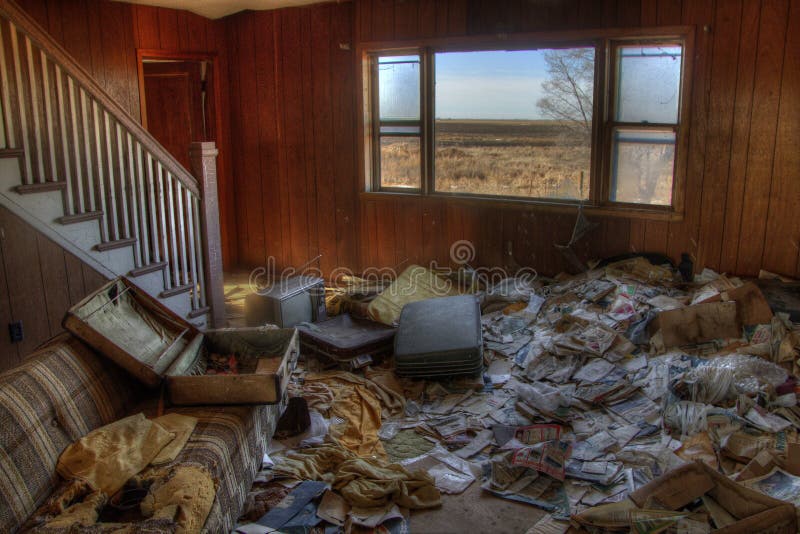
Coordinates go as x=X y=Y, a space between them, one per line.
x=15 y=331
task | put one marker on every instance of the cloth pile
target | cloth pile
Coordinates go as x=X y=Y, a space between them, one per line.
x=130 y=454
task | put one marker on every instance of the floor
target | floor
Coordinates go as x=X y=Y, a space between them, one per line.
x=472 y=511
x=476 y=512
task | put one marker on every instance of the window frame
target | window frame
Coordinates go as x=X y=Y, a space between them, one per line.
x=605 y=43
x=376 y=131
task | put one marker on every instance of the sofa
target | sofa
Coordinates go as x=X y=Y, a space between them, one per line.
x=64 y=390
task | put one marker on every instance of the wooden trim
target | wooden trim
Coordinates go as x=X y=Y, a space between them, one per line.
x=11 y=153
x=37 y=34
x=629 y=211
x=199 y=312
x=511 y=41
x=80 y=217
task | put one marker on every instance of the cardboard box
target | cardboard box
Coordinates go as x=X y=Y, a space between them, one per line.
x=125 y=324
x=697 y=324
x=753 y=511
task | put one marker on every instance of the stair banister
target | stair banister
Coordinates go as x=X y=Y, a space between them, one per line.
x=108 y=168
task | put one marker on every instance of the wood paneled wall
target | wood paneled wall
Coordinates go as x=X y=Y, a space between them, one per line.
x=104 y=36
x=293 y=98
x=291 y=190
x=39 y=281
x=296 y=194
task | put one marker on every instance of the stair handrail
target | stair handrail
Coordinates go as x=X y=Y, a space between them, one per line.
x=13 y=12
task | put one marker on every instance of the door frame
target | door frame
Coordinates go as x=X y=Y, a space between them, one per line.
x=143 y=54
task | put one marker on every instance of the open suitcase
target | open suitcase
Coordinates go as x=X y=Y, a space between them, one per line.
x=124 y=323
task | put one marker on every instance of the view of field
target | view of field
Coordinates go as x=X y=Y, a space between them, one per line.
x=524 y=158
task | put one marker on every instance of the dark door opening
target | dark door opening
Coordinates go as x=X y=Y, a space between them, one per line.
x=177 y=107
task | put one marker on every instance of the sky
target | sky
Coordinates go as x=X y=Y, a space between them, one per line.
x=497 y=85
x=489 y=85
x=469 y=85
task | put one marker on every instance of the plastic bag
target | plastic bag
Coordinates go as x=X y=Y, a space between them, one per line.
x=724 y=377
x=541 y=396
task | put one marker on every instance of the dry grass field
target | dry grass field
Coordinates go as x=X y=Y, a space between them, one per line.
x=536 y=159
x=542 y=159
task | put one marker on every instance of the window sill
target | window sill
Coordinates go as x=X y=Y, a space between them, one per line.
x=555 y=206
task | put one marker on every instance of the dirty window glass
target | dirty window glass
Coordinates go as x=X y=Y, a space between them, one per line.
x=649 y=84
x=399 y=128
x=398 y=82
x=647 y=112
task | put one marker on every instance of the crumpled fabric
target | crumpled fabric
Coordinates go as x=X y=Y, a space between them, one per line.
x=182 y=427
x=386 y=380
x=108 y=456
x=63 y=513
x=389 y=392
x=362 y=482
x=361 y=414
x=184 y=494
x=357 y=401
x=318 y=396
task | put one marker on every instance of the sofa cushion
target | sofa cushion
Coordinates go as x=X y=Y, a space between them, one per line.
x=61 y=392
x=230 y=441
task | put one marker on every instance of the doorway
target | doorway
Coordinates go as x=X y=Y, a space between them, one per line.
x=178 y=99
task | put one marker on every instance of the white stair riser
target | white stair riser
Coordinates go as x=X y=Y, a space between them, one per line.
x=42 y=211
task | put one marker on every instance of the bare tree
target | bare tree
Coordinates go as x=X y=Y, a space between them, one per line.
x=569 y=87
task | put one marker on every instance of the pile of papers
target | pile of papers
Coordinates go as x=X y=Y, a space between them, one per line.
x=597 y=385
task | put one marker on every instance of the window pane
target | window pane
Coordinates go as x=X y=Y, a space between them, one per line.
x=649 y=84
x=643 y=167
x=510 y=123
x=398 y=87
x=388 y=130
x=400 y=163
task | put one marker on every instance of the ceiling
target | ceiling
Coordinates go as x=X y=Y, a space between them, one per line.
x=215 y=9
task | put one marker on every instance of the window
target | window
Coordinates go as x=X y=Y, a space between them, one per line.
x=646 y=109
x=594 y=120
x=500 y=130
x=399 y=117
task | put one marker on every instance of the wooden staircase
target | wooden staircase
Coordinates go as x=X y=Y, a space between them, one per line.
x=78 y=168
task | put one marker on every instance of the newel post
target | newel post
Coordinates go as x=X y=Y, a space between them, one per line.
x=203 y=156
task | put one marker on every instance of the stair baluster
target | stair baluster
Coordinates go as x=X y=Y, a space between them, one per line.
x=71 y=137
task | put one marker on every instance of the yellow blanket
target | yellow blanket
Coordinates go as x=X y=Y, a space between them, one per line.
x=364 y=483
x=108 y=456
x=357 y=401
x=413 y=284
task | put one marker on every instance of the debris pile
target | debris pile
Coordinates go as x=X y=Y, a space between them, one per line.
x=597 y=390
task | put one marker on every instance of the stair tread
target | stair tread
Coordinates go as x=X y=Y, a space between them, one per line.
x=80 y=217
x=199 y=312
x=11 y=152
x=149 y=268
x=117 y=243
x=177 y=290
x=40 y=187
